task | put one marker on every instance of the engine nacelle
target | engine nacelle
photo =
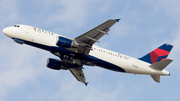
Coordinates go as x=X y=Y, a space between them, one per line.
x=64 y=42
x=18 y=41
x=68 y=43
x=54 y=64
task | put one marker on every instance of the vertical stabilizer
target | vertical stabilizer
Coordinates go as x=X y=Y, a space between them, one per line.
x=159 y=54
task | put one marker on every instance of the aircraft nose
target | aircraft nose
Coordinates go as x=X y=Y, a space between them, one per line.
x=6 y=31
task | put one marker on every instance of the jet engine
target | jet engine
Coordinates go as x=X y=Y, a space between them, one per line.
x=66 y=43
x=54 y=64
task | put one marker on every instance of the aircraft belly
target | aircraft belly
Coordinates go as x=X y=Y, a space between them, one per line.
x=110 y=66
x=108 y=63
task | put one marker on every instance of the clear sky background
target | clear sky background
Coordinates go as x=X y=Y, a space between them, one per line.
x=144 y=26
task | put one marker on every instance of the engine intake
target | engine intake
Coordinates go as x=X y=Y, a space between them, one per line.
x=54 y=64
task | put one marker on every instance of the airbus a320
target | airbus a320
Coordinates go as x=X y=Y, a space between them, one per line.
x=74 y=53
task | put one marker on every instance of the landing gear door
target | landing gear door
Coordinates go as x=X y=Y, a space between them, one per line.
x=136 y=63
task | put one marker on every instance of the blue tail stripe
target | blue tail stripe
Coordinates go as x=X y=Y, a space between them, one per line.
x=166 y=47
x=162 y=57
x=146 y=58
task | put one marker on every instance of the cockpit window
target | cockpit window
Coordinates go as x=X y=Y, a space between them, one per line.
x=16 y=25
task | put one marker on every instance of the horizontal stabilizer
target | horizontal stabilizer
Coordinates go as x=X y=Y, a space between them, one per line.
x=156 y=78
x=161 y=65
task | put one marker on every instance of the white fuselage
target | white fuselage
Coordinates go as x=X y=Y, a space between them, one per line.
x=39 y=36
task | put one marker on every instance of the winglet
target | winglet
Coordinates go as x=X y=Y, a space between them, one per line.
x=118 y=19
x=86 y=83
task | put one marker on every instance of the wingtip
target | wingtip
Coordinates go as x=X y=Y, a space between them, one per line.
x=86 y=83
x=118 y=19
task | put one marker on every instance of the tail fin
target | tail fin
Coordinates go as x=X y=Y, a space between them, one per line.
x=159 y=54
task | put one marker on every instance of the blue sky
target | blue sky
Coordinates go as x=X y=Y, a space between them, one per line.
x=144 y=25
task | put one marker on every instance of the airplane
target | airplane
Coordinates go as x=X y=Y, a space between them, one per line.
x=74 y=53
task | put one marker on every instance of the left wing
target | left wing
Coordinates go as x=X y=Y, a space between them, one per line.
x=92 y=36
x=78 y=74
x=75 y=67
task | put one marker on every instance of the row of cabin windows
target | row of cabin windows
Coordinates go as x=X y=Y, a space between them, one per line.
x=110 y=53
